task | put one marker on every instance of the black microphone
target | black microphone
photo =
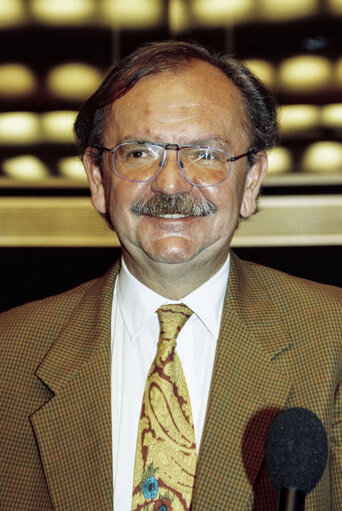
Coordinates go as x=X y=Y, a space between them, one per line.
x=296 y=454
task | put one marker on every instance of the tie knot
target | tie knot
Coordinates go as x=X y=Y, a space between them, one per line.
x=172 y=318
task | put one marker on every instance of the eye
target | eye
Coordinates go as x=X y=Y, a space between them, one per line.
x=207 y=154
x=134 y=152
x=137 y=153
x=200 y=154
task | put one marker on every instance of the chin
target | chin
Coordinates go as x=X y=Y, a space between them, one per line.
x=170 y=258
x=172 y=253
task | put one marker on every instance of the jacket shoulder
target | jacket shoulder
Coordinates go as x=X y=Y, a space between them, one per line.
x=37 y=324
x=44 y=309
x=307 y=308
x=28 y=332
x=275 y=282
x=265 y=292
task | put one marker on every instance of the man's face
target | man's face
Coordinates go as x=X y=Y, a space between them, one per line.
x=197 y=105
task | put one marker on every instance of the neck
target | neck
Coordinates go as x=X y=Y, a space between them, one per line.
x=174 y=281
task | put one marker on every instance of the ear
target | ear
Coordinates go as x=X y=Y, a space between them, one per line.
x=254 y=180
x=96 y=182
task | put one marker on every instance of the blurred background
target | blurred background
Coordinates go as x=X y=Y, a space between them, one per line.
x=54 y=54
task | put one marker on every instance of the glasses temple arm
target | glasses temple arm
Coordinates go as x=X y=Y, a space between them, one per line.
x=101 y=148
x=251 y=151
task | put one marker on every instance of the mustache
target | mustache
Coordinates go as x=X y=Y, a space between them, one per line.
x=177 y=204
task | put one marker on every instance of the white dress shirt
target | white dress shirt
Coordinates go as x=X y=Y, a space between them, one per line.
x=135 y=332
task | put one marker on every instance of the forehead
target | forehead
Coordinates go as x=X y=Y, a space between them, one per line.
x=186 y=102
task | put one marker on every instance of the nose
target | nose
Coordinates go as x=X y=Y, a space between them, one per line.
x=170 y=179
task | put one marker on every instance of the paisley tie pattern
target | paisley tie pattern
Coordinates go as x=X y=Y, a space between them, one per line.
x=165 y=460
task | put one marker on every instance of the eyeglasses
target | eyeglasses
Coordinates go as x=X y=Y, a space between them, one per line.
x=141 y=162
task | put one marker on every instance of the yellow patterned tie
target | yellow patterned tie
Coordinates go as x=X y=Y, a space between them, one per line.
x=165 y=459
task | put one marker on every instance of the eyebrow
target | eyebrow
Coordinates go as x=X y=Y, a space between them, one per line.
x=212 y=141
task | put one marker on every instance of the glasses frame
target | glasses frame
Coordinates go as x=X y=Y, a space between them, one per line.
x=173 y=147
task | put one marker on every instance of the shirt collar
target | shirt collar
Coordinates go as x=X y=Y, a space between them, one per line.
x=207 y=300
x=138 y=302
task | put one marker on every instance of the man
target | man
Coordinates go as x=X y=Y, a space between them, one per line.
x=173 y=145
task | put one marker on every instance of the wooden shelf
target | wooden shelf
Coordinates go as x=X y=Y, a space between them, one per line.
x=48 y=183
x=72 y=222
x=302 y=179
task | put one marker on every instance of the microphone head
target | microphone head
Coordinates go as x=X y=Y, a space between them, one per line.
x=296 y=450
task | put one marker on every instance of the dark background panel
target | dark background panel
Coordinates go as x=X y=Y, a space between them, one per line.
x=32 y=273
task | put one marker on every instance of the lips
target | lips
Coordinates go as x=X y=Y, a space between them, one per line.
x=172 y=216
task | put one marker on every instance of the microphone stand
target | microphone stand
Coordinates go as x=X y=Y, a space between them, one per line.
x=291 y=500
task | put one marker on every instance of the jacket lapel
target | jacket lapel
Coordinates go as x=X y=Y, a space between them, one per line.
x=73 y=429
x=248 y=390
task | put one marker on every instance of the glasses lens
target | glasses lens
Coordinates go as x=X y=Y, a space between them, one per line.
x=204 y=166
x=201 y=166
x=137 y=162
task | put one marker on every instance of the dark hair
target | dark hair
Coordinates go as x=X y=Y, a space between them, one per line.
x=153 y=58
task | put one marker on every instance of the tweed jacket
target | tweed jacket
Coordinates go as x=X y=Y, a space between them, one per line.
x=280 y=346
